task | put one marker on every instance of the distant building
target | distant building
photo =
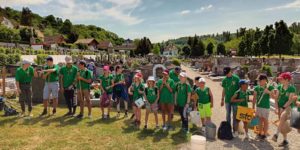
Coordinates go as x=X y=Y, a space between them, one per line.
x=232 y=52
x=170 y=51
x=6 y=22
x=91 y=43
x=52 y=42
x=106 y=46
x=37 y=46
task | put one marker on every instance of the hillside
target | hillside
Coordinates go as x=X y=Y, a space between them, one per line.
x=51 y=25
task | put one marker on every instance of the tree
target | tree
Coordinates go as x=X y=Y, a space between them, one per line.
x=186 y=51
x=221 y=49
x=242 y=48
x=26 y=17
x=72 y=37
x=144 y=47
x=190 y=41
x=210 y=48
x=283 y=38
x=156 y=49
x=66 y=27
x=26 y=34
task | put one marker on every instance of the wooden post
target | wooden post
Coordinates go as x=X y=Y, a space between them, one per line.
x=3 y=80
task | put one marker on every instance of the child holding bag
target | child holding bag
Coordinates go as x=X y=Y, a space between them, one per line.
x=151 y=96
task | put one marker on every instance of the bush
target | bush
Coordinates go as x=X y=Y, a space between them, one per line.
x=266 y=69
x=40 y=59
x=3 y=59
x=176 y=61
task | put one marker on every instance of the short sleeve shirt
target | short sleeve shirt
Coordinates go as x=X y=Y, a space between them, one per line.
x=284 y=94
x=69 y=75
x=86 y=74
x=242 y=95
x=106 y=81
x=203 y=95
x=174 y=76
x=230 y=85
x=53 y=77
x=136 y=89
x=182 y=90
x=166 y=97
x=151 y=94
x=24 y=76
x=263 y=99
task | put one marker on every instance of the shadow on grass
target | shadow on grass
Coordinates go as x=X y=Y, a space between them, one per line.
x=11 y=120
x=103 y=121
x=180 y=137
x=159 y=135
x=69 y=122
x=146 y=133
x=53 y=119
x=239 y=143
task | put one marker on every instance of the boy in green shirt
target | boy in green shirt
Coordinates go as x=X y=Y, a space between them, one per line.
x=84 y=79
x=51 y=76
x=174 y=74
x=230 y=85
x=261 y=98
x=205 y=102
x=241 y=98
x=24 y=76
x=182 y=99
x=68 y=75
x=166 y=87
x=119 y=90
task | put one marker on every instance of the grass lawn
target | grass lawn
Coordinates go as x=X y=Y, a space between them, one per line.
x=58 y=132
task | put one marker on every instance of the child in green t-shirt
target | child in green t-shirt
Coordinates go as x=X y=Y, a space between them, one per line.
x=137 y=91
x=241 y=98
x=106 y=85
x=151 y=96
x=205 y=102
x=261 y=98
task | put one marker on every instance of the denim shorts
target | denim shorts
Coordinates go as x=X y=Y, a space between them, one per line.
x=50 y=90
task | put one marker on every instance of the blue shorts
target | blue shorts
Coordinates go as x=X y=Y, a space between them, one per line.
x=50 y=90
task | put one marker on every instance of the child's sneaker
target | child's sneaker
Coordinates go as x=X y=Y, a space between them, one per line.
x=30 y=114
x=284 y=143
x=275 y=137
x=90 y=117
x=21 y=115
x=235 y=134
x=126 y=114
x=164 y=127
x=80 y=116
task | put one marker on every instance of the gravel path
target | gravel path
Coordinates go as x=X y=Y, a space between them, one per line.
x=239 y=143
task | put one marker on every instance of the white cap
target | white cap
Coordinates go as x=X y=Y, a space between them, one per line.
x=25 y=62
x=183 y=74
x=151 y=78
x=68 y=59
x=202 y=80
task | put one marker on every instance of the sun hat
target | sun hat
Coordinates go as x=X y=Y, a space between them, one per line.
x=25 y=62
x=202 y=80
x=183 y=74
x=150 y=78
x=106 y=68
x=166 y=72
x=243 y=81
x=68 y=59
x=285 y=75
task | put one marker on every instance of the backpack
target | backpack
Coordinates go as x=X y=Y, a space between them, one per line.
x=225 y=131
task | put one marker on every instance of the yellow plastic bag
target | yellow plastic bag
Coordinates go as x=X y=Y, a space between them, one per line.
x=245 y=114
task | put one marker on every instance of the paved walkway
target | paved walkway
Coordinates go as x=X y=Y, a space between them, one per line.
x=239 y=143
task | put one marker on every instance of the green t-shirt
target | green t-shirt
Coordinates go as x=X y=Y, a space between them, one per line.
x=265 y=100
x=151 y=94
x=106 y=81
x=284 y=94
x=244 y=95
x=54 y=76
x=182 y=90
x=24 y=76
x=136 y=89
x=166 y=97
x=174 y=76
x=86 y=74
x=69 y=75
x=118 y=78
x=204 y=97
x=231 y=85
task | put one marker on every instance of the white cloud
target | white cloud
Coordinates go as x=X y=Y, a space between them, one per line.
x=23 y=2
x=78 y=10
x=185 y=12
x=204 y=8
x=294 y=4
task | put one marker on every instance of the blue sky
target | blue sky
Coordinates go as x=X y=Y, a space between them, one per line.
x=166 y=19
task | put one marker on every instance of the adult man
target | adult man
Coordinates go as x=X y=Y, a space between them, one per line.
x=51 y=76
x=84 y=80
x=230 y=85
x=174 y=74
x=24 y=76
x=67 y=80
x=166 y=88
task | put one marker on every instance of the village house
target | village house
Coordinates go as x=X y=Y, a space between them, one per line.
x=52 y=42
x=91 y=43
x=170 y=51
x=106 y=46
x=126 y=47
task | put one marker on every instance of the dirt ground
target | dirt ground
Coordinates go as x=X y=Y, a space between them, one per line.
x=219 y=114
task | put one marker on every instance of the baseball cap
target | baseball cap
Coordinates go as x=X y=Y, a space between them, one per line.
x=177 y=69
x=82 y=62
x=68 y=59
x=166 y=72
x=285 y=75
x=25 y=62
x=150 y=78
x=226 y=70
x=183 y=74
x=106 y=68
x=138 y=75
x=243 y=81
x=49 y=58
x=202 y=80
